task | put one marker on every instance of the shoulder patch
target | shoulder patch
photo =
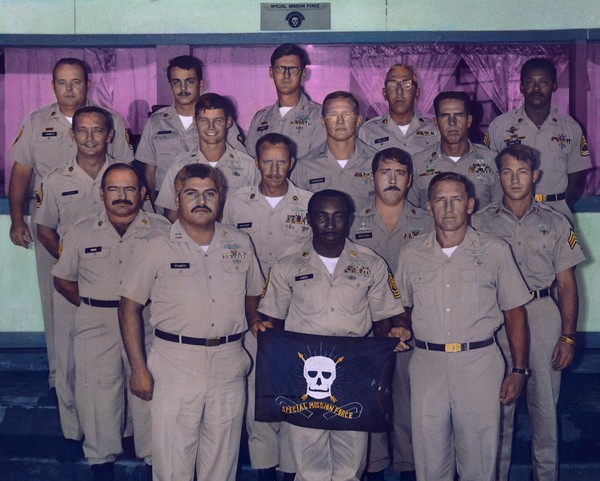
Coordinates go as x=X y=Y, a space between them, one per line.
x=572 y=240
x=486 y=139
x=583 y=146
x=19 y=135
x=393 y=286
x=39 y=196
x=265 y=285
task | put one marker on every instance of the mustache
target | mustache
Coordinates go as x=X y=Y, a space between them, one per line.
x=184 y=94
x=202 y=207
x=122 y=201
x=391 y=187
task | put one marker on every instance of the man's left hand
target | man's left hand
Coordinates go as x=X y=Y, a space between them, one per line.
x=562 y=356
x=511 y=388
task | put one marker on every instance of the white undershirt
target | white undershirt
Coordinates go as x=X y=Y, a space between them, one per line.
x=330 y=263
x=204 y=248
x=449 y=250
x=213 y=164
x=343 y=163
x=186 y=121
x=404 y=128
x=284 y=110
x=70 y=119
x=273 y=201
x=454 y=159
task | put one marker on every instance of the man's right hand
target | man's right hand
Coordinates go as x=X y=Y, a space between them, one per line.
x=20 y=235
x=142 y=384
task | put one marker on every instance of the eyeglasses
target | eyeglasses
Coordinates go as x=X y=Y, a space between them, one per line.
x=292 y=71
x=334 y=116
x=406 y=84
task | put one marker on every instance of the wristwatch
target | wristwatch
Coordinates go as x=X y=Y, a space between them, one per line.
x=525 y=371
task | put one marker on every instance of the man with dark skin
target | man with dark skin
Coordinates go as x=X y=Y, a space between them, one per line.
x=564 y=155
x=342 y=308
x=460 y=285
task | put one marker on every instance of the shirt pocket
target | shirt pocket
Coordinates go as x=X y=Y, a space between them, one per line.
x=424 y=292
x=476 y=290
x=540 y=251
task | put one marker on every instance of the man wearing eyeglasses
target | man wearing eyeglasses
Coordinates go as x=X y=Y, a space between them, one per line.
x=343 y=162
x=171 y=131
x=294 y=114
x=455 y=153
x=400 y=126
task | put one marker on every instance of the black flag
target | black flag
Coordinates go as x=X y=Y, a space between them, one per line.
x=324 y=382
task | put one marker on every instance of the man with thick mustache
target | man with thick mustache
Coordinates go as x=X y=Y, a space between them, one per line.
x=203 y=279
x=171 y=131
x=385 y=225
x=455 y=153
x=67 y=194
x=95 y=253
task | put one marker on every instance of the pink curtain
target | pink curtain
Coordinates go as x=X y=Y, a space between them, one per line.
x=369 y=63
x=498 y=68
x=125 y=79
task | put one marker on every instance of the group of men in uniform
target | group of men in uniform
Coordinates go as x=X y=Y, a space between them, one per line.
x=312 y=191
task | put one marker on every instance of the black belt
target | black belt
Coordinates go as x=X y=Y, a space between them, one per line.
x=539 y=294
x=99 y=303
x=454 y=346
x=550 y=197
x=197 y=341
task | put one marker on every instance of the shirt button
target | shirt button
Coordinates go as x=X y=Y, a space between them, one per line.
x=332 y=309
x=210 y=277
x=213 y=300
x=447 y=285
x=447 y=309
x=212 y=325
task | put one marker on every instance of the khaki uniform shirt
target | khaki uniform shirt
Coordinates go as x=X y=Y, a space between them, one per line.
x=382 y=132
x=369 y=230
x=164 y=140
x=195 y=293
x=300 y=290
x=319 y=171
x=542 y=242
x=562 y=146
x=44 y=142
x=459 y=298
x=237 y=168
x=95 y=256
x=272 y=230
x=302 y=124
x=478 y=165
x=67 y=194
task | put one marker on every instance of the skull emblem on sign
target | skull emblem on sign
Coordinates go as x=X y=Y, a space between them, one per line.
x=319 y=373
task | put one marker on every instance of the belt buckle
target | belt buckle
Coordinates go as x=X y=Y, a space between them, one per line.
x=540 y=197
x=453 y=347
x=213 y=341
